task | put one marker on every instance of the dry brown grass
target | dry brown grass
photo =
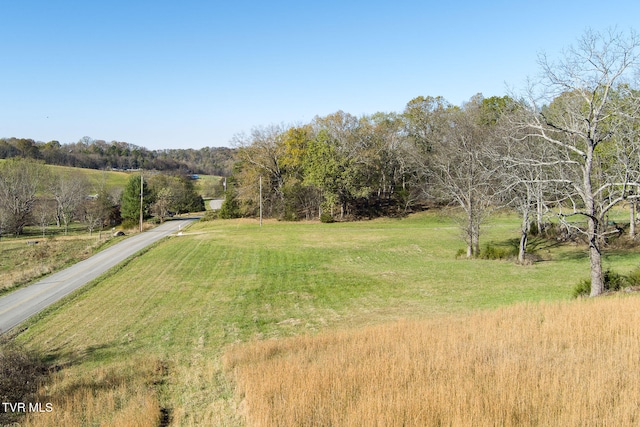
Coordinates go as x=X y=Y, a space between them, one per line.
x=548 y=364
x=21 y=263
x=123 y=395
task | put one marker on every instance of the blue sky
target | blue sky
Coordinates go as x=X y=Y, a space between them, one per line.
x=188 y=74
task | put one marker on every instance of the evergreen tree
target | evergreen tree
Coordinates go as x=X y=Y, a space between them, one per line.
x=130 y=202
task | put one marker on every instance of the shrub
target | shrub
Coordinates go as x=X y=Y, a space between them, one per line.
x=20 y=372
x=497 y=252
x=130 y=224
x=612 y=282
x=230 y=207
x=326 y=217
x=209 y=216
x=634 y=277
x=582 y=289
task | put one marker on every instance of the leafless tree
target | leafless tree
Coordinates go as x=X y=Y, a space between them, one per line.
x=20 y=181
x=463 y=173
x=69 y=191
x=529 y=183
x=43 y=212
x=573 y=108
x=262 y=152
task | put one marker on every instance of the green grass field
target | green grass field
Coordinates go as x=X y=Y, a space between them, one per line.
x=113 y=179
x=180 y=304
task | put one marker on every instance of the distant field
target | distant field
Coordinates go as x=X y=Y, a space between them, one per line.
x=113 y=179
x=206 y=186
x=153 y=334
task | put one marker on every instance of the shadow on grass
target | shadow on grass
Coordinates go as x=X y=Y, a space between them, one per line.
x=535 y=244
x=58 y=358
x=538 y=247
x=110 y=377
x=572 y=255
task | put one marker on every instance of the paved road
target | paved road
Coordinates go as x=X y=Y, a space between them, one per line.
x=216 y=204
x=19 y=305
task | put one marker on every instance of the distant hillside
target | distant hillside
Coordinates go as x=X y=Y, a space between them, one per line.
x=99 y=154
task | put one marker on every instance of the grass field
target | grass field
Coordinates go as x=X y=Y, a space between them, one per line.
x=48 y=251
x=25 y=259
x=112 y=179
x=154 y=334
x=534 y=364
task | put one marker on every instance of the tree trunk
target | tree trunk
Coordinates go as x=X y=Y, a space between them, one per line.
x=632 y=219
x=470 y=236
x=595 y=260
x=593 y=226
x=476 y=240
x=524 y=228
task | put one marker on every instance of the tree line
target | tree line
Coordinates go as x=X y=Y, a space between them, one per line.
x=31 y=194
x=568 y=147
x=98 y=154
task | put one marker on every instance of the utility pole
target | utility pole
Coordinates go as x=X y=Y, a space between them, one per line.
x=260 y=200
x=141 y=197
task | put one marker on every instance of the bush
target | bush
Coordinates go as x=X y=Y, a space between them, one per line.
x=326 y=217
x=130 y=224
x=209 y=216
x=230 y=207
x=582 y=289
x=20 y=373
x=498 y=252
x=612 y=282
x=634 y=277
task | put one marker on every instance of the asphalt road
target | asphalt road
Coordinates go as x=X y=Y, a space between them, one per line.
x=215 y=204
x=23 y=303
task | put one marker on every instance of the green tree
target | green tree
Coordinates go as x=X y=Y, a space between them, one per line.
x=230 y=207
x=324 y=169
x=188 y=199
x=130 y=200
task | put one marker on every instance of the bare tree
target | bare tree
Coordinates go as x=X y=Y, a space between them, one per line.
x=44 y=212
x=20 y=181
x=529 y=184
x=463 y=173
x=96 y=211
x=69 y=191
x=573 y=109
x=262 y=153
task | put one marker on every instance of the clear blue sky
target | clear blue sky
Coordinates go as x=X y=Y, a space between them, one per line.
x=188 y=74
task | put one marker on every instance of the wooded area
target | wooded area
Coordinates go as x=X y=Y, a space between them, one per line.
x=98 y=154
x=568 y=148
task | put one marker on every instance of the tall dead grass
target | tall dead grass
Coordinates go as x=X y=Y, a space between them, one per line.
x=121 y=395
x=21 y=263
x=548 y=364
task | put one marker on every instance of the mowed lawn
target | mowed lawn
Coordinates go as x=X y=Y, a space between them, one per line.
x=152 y=334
